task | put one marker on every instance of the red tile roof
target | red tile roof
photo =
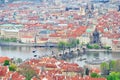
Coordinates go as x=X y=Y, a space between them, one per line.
x=115 y=41
x=2 y=59
x=56 y=73
x=34 y=78
x=54 y=35
x=13 y=76
x=3 y=70
x=70 y=25
x=27 y=36
x=111 y=22
x=44 y=39
x=95 y=70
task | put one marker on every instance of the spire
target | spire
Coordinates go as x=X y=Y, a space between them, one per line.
x=87 y=7
x=92 y=7
x=119 y=8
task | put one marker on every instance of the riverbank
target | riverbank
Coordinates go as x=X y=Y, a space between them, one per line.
x=28 y=44
x=49 y=45
x=102 y=50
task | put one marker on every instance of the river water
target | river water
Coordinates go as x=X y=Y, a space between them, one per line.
x=27 y=53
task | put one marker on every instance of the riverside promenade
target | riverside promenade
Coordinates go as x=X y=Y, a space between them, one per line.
x=28 y=44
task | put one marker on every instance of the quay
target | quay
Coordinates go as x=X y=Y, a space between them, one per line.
x=29 y=44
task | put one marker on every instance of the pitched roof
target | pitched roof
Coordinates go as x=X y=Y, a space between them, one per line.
x=2 y=59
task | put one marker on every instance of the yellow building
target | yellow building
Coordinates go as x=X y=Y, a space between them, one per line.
x=27 y=39
x=10 y=30
x=9 y=33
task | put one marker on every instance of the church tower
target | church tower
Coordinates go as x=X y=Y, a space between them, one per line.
x=96 y=38
x=119 y=8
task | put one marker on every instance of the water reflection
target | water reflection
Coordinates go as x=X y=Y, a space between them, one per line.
x=96 y=55
x=26 y=52
x=15 y=48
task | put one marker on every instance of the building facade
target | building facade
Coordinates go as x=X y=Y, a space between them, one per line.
x=116 y=45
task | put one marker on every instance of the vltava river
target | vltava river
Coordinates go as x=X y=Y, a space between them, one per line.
x=27 y=52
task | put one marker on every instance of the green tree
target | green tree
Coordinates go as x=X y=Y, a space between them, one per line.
x=68 y=45
x=6 y=62
x=62 y=45
x=112 y=64
x=13 y=39
x=19 y=60
x=109 y=77
x=94 y=75
x=27 y=71
x=73 y=42
x=12 y=67
x=9 y=39
x=104 y=68
x=114 y=76
x=117 y=66
x=107 y=47
x=77 y=42
x=96 y=46
x=89 y=46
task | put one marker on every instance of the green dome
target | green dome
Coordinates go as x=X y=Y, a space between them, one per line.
x=7 y=25
x=88 y=30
